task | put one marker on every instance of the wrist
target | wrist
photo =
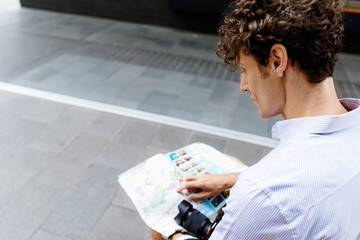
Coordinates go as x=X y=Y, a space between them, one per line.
x=230 y=180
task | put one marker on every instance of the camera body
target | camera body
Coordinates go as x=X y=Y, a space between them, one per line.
x=194 y=221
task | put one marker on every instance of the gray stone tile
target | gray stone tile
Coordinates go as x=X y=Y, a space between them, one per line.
x=27 y=210
x=121 y=156
x=217 y=115
x=5 y=97
x=187 y=108
x=150 y=151
x=170 y=138
x=203 y=82
x=127 y=148
x=61 y=174
x=178 y=78
x=80 y=87
x=64 y=169
x=249 y=121
x=107 y=125
x=18 y=168
x=120 y=223
x=66 y=127
x=247 y=153
x=45 y=112
x=56 y=83
x=69 y=26
x=104 y=94
x=21 y=133
x=43 y=235
x=6 y=122
x=266 y=151
x=159 y=103
x=121 y=79
x=111 y=36
x=138 y=132
x=139 y=89
x=39 y=23
x=18 y=105
x=82 y=67
x=214 y=141
x=78 y=214
x=38 y=74
x=26 y=50
x=184 y=114
x=180 y=83
x=12 y=183
x=226 y=94
x=85 y=147
x=176 y=84
x=12 y=107
x=155 y=73
x=125 y=102
x=107 y=69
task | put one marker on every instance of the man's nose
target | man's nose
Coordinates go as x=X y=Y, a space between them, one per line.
x=243 y=85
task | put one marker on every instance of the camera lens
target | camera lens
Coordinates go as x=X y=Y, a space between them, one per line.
x=192 y=220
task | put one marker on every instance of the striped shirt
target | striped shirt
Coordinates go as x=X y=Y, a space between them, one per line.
x=308 y=187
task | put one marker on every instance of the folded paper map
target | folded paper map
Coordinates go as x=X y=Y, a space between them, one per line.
x=152 y=184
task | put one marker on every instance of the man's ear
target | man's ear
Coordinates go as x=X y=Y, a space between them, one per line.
x=278 y=59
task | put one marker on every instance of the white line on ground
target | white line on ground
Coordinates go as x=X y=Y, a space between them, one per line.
x=199 y=127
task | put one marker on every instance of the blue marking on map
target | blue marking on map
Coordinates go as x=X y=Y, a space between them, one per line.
x=174 y=156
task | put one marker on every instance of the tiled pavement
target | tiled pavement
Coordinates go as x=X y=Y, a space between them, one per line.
x=59 y=162
x=154 y=69
x=149 y=68
x=59 y=165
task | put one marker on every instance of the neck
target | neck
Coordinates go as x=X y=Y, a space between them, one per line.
x=304 y=99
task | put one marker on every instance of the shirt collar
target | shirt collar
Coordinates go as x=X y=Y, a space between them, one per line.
x=321 y=124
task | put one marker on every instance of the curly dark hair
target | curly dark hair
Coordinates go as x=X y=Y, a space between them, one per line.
x=310 y=30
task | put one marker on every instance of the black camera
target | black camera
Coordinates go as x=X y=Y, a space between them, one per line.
x=195 y=222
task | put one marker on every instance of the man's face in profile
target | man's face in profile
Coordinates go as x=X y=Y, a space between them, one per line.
x=265 y=89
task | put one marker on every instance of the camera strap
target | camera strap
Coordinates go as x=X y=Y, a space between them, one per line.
x=183 y=232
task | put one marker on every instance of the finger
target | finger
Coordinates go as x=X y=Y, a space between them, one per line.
x=196 y=196
x=187 y=185
x=180 y=188
x=191 y=178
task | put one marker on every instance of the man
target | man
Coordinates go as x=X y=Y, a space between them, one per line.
x=308 y=186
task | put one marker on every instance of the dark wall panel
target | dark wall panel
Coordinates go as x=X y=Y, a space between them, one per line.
x=197 y=15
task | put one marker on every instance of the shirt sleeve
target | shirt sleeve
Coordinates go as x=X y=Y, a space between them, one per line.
x=251 y=214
